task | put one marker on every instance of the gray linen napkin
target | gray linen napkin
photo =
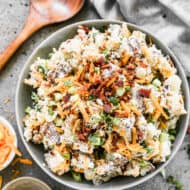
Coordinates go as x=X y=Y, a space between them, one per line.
x=169 y=20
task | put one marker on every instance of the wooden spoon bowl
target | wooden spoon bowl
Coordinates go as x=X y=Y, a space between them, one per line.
x=41 y=13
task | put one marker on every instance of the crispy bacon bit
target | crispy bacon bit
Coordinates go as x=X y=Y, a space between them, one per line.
x=188 y=129
x=66 y=98
x=142 y=64
x=107 y=108
x=144 y=92
x=140 y=135
x=106 y=66
x=81 y=137
x=100 y=61
x=119 y=83
x=85 y=28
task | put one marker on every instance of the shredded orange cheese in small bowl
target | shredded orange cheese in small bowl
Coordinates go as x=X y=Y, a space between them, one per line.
x=8 y=143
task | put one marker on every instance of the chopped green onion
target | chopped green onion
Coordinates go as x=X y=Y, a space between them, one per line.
x=51 y=103
x=28 y=109
x=50 y=55
x=58 y=122
x=34 y=96
x=96 y=141
x=172 y=132
x=127 y=88
x=41 y=69
x=95 y=119
x=74 y=98
x=148 y=149
x=163 y=173
x=164 y=137
x=106 y=54
x=116 y=121
x=150 y=119
x=72 y=90
x=120 y=91
x=97 y=69
x=175 y=182
x=58 y=96
x=50 y=112
x=91 y=97
x=68 y=83
x=172 y=138
x=113 y=100
x=156 y=82
x=144 y=163
x=76 y=176
x=66 y=155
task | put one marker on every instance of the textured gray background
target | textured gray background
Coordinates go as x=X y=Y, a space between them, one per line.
x=12 y=17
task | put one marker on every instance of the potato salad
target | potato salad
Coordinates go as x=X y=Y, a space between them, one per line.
x=104 y=104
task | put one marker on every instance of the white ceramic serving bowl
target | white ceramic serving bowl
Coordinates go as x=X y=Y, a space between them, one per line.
x=12 y=131
x=23 y=99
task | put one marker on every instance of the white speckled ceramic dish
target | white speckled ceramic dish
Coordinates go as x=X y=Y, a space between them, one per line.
x=12 y=131
x=23 y=99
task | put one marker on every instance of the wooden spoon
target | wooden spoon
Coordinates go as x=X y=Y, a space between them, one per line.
x=41 y=13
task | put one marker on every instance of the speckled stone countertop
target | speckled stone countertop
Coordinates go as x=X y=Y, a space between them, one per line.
x=12 y=16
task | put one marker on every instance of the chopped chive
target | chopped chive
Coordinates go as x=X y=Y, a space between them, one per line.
x=28 y=109
x=91 y=97
x=66 y=155
x=120 y=91
x=58 y=96
x=68 y=83
x=76 y=176
x=58 y=122
x=96 y=141
x=113 y=100
x=106 y=54
x=50 y=112
x=127 y=88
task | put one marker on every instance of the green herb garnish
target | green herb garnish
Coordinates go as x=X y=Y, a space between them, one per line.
x=127 y=88
x=144 y=163
x=113 y=100
x=50 y=55
x=156 y=82
x=95 y=140
x=172 y=132
x=28 y=109
x=76 y=176
x=42 y=70
x=174 y=181
x=120 y=91
x=106 y=54
x=97 y=69
x=58 y=96
x=91 y=97
x=116 y=121
x=68 y=83
x=66 y=155
x=34 y=97
x=58 y=122
x=50 y=112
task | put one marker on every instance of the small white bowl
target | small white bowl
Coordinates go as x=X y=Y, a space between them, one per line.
x=12 y=131
x=29 y=183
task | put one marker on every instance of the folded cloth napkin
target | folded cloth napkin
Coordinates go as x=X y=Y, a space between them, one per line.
x=169 y=20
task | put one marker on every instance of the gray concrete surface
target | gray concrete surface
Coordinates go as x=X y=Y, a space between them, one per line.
x=12 y=16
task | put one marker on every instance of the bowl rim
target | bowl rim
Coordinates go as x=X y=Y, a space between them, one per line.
x=12 y=131
x=27 y=178
x=182 y=76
